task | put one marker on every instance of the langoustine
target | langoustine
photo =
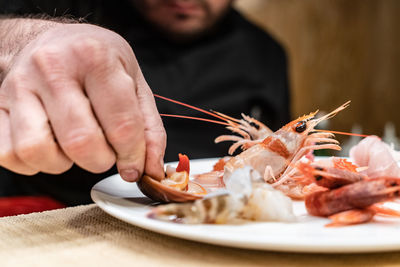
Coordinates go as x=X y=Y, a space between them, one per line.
x=275 y=156
x=347 y=196
x=246 y=197
x=271 y=154
x=354 y=199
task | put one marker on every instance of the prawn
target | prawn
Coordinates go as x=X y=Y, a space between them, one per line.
x=245 y=198
x=336 y=189
x=275 y=155
x=351 y=199
x=272 y=154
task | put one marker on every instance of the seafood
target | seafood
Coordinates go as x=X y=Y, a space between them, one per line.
x=354 y=216
x=250 y=130
x=340 y=192
x=357 y=216
x=212 y=180
x=272 y=156
x=175 y=187
x=336 y=188
x=331 y=173
x=356 y=195
x=356 y=202
x=246 y=198
x=379 y=157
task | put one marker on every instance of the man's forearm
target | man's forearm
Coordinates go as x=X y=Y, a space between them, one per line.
x=16 y=33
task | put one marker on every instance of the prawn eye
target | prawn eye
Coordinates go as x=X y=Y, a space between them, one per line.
x=301 y=126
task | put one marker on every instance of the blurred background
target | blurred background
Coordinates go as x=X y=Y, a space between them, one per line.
x=339 y=50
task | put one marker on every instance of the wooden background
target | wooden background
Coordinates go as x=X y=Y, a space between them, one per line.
x=338 y=50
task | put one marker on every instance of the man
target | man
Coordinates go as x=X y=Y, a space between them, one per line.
x=75 y=98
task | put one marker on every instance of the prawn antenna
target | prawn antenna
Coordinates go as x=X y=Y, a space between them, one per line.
x=343 y=133
x=194 y=118
x=226 y=119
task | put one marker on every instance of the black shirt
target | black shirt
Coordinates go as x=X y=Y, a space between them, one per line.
x=236 y=69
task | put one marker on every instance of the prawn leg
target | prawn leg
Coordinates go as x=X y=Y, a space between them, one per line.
x=269 y=174
x=350 y=217
x=382 y=210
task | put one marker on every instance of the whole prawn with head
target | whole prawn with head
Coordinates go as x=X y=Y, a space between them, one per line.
x=273 y=156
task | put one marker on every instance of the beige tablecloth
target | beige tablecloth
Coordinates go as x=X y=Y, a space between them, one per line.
x=86 y=236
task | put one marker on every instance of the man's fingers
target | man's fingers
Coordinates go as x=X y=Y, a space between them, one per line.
x=114 y=100
x=155 y=135
x=70 y=114
x=155 y=148
x=8 y=159
x=77 y=130
x=32 y=137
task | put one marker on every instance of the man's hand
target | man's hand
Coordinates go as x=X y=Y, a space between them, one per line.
x=75 y=94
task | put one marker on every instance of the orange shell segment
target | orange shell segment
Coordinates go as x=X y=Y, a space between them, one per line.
x=184 y=163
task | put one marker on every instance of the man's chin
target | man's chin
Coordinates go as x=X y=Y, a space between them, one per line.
x=186 y=32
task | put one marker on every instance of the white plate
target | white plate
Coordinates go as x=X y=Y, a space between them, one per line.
x=123 y=200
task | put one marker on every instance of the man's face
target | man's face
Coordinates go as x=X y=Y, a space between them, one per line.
x=183 y=18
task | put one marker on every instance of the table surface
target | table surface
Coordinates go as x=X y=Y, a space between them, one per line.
x=87 y=236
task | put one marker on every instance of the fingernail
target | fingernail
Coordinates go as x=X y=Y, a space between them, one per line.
x=130 y=175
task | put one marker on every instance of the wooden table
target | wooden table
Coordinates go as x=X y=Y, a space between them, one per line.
x=86 y=236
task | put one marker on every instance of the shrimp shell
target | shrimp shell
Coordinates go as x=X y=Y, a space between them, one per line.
x=264 y=204
x=219 y=210
x=353 y=196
